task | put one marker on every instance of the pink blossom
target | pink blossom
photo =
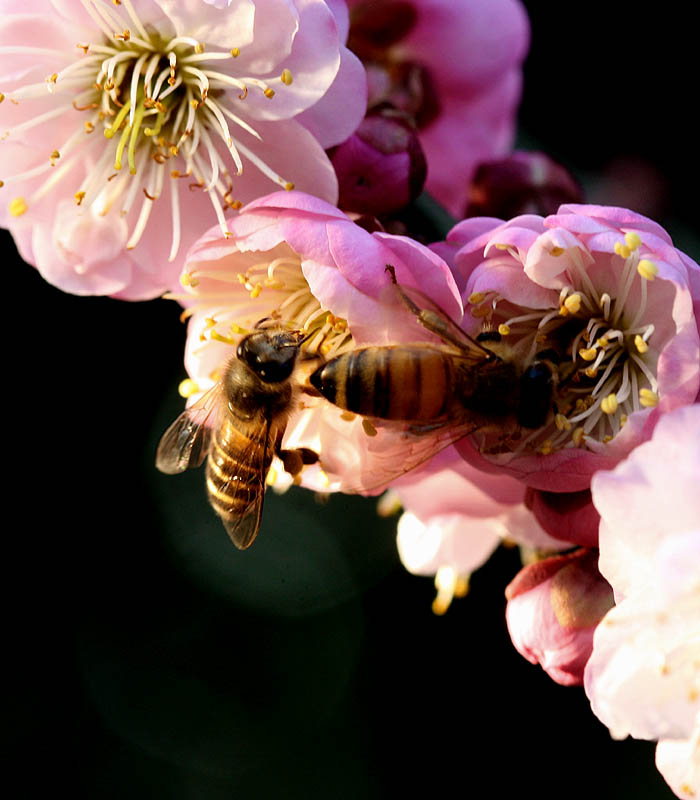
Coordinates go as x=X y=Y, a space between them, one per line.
x=643 y=678
x=456 y=66
x=130 y=127
x=299 y=259
x=553 y=609
x=607 y=290
x=455 y=516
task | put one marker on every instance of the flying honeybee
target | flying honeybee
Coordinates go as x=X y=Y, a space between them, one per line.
x=238 y=425
x=430 y=394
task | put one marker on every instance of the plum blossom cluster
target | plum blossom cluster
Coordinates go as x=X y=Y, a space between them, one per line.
x=258 y=159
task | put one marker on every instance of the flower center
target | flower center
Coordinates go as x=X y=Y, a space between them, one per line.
x=148 y=104
x=274 y=287
x=602 y=345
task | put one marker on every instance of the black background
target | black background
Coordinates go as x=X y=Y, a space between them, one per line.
x=149 y=659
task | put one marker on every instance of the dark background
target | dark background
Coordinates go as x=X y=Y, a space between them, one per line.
x=148 y=658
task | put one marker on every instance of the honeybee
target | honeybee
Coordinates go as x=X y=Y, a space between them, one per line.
x=238 y=425
x=428 y=395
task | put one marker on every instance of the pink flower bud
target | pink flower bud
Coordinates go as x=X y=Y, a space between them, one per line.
x=553 y=609
x=522 y=183
x=381 y=167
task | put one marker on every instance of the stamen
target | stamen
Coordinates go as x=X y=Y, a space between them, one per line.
x=648 y=398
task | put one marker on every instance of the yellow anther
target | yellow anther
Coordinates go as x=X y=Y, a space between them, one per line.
x=347 y=416
x=52 y=78
x=562 y=423
x=480 y=311
x=18 y=206
x=632 y=239
x=445 y=583
x=54 y=155
x=286 y=77
x=623 y=420
x=578 y=437
x=546 y=447
x=89 y=127
x=235 y=52
x=2 y=183
x=563 y=311
x=640 y=344
x=389 y=504
x=289 y=186
x=199 y=48
x=556 y=251
x=501 y=246
x=242 y=279
x=210 y=322
x=2 y=97
x=648 y=398
x=608 y=404
x=461 y=586
x=477 y=297
x=647 y=269
x=269 y=93
x=607 y=438
x=79 y=197
x=188 y=279
x=591 y=372
x=573 y=303
x=622 y=250
x=187 y=388
x=602 y=342
x=217 y=337
x=503 y=329
x=587 y=354
x=255 y=291
x=368 y=428
x=237 y=329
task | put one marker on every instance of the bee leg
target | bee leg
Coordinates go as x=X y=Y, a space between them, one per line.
x=295 y=460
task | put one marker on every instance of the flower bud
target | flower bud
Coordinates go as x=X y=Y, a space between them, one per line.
x=381 y=167
x=553 y=609
x=522 y=183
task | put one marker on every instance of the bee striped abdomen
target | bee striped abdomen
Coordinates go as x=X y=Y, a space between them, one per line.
x=399 y=383
x=233 y=467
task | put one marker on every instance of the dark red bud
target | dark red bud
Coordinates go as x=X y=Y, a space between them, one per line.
x=522 y=183
x=381 y=167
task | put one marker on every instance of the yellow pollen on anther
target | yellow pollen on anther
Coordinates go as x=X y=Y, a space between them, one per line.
x=603 y=342
x=89 y=127
x=546 y=447
x=648 y=398
x=445 y=583
x=562 y=422
x=187 y=279
x=255 y=291
x=476 y=297
x=556 y=251
x=269 y=93
x=623 y=420
x=647 y=269
x=573 y=303
x=368 y=428
x=608 y=405
x=286 y=77
x=217 y=337
x=578 y=436
x=622 y=250
x=2 y=97
x=187 y=388
x=235 y=52
x=2 y=183
x=640 y=344
x=347 y=416
x=79 y=197
x=289 y=186
x=633 y=240
x=587 y=354
x=503 y=329
x=480 y=311
x=18 y=206
x=237 y=329
x=501 y=246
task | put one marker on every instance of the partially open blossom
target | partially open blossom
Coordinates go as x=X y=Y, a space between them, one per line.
x=455 y=66
x=523 y=182
x=643 y=678
x=554 y=606
x=381 y=167
x=603 y=292
x=298 y=259
x=455 y=516
x=130 y=127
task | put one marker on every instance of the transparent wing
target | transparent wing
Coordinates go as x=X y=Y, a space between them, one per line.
x=185 y=443
x=245 y=485
x=399 y=447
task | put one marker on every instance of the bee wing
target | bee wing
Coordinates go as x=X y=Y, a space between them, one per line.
x=185 y=443
x=399 y=447
x=245 y=486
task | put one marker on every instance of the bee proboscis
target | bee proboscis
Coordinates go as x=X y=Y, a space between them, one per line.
x=238 y=425
x=426 y=395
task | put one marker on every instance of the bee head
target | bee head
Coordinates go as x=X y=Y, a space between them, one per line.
x=271 y=355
